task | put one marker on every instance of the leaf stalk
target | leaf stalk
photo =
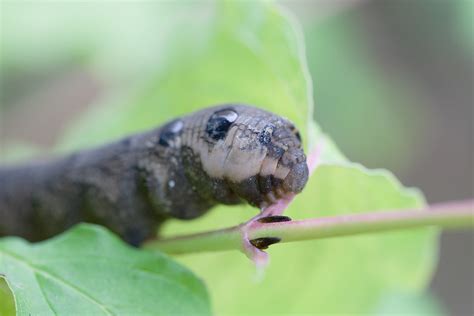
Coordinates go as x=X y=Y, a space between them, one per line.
x=451 y=215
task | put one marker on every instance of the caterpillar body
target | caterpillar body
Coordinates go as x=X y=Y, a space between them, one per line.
x=226 y=154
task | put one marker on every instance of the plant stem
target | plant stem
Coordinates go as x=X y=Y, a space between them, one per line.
x=458 y=214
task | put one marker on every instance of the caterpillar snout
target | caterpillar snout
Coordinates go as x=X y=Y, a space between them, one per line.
x=296 y=178
x=289 y=176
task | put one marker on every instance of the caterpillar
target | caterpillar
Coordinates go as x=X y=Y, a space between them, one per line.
x=226 y=154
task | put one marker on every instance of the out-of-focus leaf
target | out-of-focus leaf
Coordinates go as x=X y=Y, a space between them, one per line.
x=409 y=305
x=121 y=41
x=368 y=108
x=465 y=16
x=11 y=153
x=90 y=271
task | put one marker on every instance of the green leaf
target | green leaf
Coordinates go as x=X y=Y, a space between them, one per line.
x=90 y=271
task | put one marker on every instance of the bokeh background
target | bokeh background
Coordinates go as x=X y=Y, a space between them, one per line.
x=392 y=83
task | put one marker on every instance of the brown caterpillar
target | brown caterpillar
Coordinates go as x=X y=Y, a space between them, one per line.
x=226 y=154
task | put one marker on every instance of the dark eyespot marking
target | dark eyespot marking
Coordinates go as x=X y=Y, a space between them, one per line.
x=220 y=122
x=265 y=136
x=170 y=131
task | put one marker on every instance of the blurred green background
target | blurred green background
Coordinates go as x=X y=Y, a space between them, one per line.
x=392 y=84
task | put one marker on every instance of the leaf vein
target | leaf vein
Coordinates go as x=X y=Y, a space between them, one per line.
x=48 y=302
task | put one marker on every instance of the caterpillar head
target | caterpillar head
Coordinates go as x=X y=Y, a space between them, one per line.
x=256 y=154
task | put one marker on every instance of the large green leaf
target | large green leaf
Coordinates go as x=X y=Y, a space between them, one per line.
x=89 y=271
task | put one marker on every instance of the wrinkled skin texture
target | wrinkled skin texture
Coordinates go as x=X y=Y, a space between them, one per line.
x=227 y=154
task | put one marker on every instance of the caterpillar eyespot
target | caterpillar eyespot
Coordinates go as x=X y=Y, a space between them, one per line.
x=220 y=122
x=225 y=154
x=170 y=131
